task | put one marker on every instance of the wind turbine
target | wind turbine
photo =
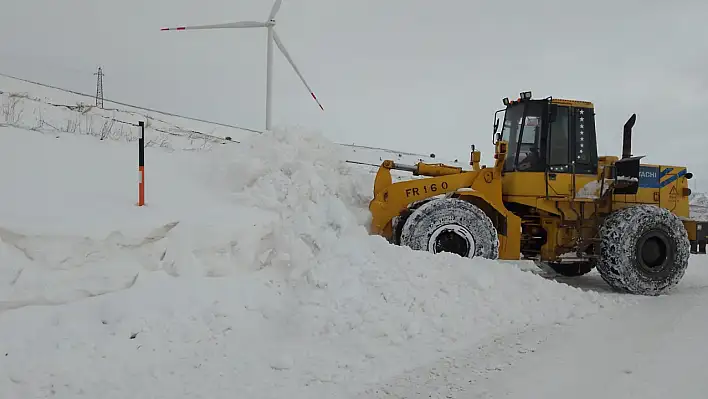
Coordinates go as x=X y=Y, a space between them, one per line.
x=272 y=37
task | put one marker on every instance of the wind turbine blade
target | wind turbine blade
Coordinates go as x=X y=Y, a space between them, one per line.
x=280 y=45
x=274 y=10
x=241 y=24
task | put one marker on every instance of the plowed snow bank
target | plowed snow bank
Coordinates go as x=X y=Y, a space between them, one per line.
x=250 y=274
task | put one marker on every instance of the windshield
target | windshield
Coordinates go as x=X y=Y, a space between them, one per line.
x=527 y=128
x=511 y=123
x=510 y=133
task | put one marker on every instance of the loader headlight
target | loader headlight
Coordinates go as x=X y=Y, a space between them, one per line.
x=526 y=95
x=505 y=101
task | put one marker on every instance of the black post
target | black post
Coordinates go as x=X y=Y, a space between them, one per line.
x=141 y=141
x=141 y=164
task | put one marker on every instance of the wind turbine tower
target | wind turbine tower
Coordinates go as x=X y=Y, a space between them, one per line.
x=273 y=37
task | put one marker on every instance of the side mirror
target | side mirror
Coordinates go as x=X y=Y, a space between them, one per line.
x=496 y=126
x=497 y=137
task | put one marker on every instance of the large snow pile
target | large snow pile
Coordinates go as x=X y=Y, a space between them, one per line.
x=249 y=274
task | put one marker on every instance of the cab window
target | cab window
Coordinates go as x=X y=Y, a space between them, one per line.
x=559 y=142
x=530 y=156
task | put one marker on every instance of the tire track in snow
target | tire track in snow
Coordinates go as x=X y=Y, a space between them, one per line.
x=83 y=252
x=81 y=294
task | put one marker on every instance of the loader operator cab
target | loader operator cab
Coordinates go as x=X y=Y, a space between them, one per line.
x=553 y=135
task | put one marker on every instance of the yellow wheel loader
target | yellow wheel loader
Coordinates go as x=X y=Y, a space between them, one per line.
x=549 y=198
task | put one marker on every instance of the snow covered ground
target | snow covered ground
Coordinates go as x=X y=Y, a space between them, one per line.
x=654 y=349
x=250 y=274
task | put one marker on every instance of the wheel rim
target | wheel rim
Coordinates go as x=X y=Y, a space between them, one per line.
x=653 y=251
x=454 y=239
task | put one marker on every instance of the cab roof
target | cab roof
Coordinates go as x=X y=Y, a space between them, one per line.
x=562 y=102
x=572 y=103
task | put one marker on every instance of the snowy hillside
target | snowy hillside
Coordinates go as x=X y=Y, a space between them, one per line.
x=47 y=109
x=699 y=206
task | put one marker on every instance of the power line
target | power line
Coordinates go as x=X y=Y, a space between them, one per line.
x=132 y=105
x=181 y=116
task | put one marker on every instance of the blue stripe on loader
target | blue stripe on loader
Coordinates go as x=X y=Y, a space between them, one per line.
x=673 y=178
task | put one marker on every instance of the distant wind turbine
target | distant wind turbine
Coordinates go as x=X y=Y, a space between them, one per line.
x=272 y=37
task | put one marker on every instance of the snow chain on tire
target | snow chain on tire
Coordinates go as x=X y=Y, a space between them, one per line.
x=451 y=225
x=644 y=250
x=399 y=221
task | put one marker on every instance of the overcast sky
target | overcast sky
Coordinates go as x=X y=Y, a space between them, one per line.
x=413 y=75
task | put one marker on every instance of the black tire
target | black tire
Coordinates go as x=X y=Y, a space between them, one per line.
x=451 y=225
x=644 y=250
x=576 y=269
x=397 y=226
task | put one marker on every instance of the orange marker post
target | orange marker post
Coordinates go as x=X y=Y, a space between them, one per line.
x=141 y=164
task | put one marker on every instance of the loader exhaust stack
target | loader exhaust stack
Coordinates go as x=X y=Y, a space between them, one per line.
x=627 y=137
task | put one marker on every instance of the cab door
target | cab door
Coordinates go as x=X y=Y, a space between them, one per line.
x=572 y=153
x=558 y=154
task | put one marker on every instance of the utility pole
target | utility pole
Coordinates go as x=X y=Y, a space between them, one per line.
x=99 y=88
